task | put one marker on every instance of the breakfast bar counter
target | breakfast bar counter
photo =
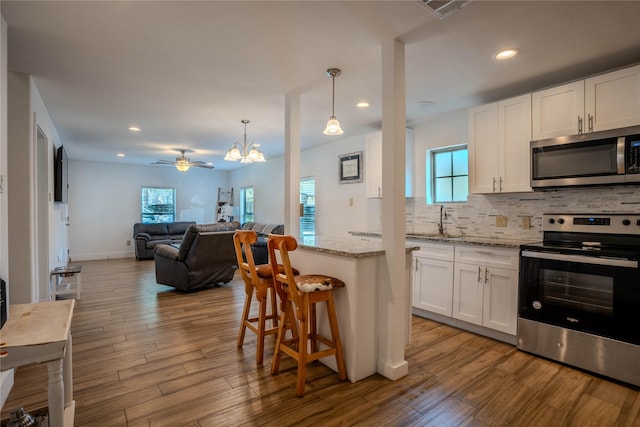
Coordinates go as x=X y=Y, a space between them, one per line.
x=362 y=266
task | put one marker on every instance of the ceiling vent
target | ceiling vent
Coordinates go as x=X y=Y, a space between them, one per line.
x=443 y=8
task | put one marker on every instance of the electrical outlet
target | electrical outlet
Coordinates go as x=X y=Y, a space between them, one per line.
x=128 y=242
x=501 y=221
x=526 y=222
x=350 y=201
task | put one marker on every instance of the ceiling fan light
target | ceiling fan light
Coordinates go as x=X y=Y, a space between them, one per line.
x=333 y=127
x=182 y=166
x=246 y=160
x=260 y=157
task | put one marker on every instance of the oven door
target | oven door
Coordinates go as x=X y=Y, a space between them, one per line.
x=586 y=293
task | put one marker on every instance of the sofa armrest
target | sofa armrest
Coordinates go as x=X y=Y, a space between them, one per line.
x=166 y=251
x=143 y=236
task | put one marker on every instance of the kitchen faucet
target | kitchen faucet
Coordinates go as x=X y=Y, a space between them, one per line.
x=443 y=213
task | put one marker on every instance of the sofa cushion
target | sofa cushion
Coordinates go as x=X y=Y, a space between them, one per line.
x=151 y=229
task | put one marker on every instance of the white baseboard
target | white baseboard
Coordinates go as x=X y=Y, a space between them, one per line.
x=101 y=256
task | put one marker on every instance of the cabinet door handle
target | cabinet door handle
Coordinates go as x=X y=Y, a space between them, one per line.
x=501 y=184
x=479 y=272
x=494 y=184
x=590 y=123
x=416 y=260
x=579 y=124
x=486 y=275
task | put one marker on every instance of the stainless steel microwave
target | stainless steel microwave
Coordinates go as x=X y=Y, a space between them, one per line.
x=596 y=158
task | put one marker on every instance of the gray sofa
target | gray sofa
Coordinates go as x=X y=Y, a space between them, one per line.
x=259 y=248
x=147 y=236
x=206 y=256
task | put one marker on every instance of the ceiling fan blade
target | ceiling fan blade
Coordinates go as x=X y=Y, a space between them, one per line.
x=203 y=166
x=163 y=162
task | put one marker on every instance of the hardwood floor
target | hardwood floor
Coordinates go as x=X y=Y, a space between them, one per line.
x=146 y=355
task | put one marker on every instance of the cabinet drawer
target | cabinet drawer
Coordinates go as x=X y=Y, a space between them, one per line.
x=488 y=257
x=442 y=252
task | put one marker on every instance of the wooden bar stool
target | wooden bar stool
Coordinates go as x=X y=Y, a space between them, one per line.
x=258 y=279
x=299 y=296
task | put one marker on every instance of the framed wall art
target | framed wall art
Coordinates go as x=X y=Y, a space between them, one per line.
x=350 y=167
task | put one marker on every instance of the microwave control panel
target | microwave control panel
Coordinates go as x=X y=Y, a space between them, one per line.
x=633 y=154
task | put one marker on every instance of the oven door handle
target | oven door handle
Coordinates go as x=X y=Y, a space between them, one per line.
x=581 y=259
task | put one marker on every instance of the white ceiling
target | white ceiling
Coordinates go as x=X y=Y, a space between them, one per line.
x=187 y=73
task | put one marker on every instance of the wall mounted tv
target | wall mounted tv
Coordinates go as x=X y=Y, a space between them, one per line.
x=61 y=174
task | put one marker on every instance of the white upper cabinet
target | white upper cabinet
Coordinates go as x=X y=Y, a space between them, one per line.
x=558 y=111
x=499 y=135
x=612 y=100
x=607 y=101
x=373 y=164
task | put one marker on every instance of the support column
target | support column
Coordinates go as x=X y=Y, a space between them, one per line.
x=394 y=296
x=292 y=164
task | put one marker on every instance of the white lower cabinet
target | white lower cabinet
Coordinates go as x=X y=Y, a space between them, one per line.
x=485 y=287
x=433 y=278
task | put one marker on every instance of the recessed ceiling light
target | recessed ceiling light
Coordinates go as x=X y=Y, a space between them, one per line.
x=120 y=154
x=362 y=104
x=134 y=128
x=506 y=54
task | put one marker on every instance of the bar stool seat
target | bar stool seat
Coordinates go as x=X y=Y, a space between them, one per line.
x=299 y=295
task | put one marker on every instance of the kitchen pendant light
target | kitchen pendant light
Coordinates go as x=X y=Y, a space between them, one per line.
x=333 y=125
x=243 y=151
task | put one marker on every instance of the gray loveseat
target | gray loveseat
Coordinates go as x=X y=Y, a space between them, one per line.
x=206 y=256
x=147 y=236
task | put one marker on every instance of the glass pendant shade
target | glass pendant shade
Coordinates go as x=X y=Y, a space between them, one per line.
x=333 y=127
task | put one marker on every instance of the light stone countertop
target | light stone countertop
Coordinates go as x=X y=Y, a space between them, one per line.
x=350 y=247
x=470 y=240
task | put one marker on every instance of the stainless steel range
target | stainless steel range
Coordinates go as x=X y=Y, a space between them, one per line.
x=579 y=293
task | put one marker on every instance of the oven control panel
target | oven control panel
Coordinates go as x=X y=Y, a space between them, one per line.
x=596 y=223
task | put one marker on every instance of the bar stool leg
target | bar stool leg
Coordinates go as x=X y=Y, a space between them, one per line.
x=245 y=315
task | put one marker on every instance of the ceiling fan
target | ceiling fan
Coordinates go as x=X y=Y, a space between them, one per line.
x=183 y=163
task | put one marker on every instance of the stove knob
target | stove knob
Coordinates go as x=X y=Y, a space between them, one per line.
x=561 y=221
x=551 y=220
x=626 y=222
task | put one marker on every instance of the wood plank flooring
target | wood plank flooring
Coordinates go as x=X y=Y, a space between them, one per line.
x=147 y=355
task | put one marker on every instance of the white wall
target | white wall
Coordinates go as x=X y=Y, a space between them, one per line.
x=442 y=131
x=334 y=214
x=104 y=203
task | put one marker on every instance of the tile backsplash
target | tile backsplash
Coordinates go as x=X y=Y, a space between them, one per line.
x=477 y=217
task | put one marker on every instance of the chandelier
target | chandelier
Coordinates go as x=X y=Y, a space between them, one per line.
x=243 y=151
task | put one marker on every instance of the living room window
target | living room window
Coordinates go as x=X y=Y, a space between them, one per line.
x=246 y=205
x=307 y=207
x=448 y=174
x=157 y=205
